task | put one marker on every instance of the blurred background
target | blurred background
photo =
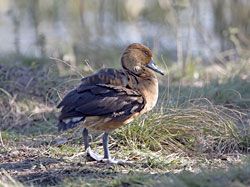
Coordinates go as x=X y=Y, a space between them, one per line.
x=48 y=45
x=183 y=32
x=201 y=121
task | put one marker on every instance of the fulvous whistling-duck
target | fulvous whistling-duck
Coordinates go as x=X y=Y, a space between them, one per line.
x=112 y=98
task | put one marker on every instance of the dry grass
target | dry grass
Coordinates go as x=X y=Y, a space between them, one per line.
x=205 y=130
x=195 y=128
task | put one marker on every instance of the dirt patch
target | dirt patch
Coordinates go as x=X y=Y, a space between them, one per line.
x=29 y=168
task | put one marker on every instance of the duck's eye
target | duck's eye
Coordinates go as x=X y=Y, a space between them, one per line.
x=146 y=53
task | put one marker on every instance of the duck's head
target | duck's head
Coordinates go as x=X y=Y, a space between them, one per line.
x=138 y=59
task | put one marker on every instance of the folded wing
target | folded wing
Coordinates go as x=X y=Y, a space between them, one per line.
x=94 y=97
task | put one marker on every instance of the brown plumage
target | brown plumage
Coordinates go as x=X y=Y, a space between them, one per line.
x=111 y=98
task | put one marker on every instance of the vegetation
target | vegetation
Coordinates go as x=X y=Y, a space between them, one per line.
x=197 y=135
x=192 y=138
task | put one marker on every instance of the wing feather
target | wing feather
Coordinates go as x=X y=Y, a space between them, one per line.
x=102 y=94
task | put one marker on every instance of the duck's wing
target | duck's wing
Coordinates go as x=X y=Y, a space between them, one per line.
x=97 y=98
x=101 y=100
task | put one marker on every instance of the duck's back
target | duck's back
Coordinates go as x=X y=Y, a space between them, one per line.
x=106 y=76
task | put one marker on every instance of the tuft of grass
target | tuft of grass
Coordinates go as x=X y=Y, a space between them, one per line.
x=195 y=128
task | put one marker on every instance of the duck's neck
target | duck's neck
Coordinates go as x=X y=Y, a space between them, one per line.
x=147 y=86
x=136 y=81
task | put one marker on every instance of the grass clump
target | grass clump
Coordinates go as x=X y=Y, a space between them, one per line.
x=195 y=128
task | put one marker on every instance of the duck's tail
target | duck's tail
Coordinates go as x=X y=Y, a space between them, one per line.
x=65 y=124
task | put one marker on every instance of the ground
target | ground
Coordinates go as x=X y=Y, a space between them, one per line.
x=196 y=136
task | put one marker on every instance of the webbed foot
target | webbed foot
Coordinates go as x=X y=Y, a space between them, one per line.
x=115 y=161
x=92 y=156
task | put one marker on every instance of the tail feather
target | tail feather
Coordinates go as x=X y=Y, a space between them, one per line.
x=69 y=123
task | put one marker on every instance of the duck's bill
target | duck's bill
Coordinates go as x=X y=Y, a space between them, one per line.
x=154 y=67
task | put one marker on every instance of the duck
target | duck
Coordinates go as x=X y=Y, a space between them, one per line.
x=112 y=98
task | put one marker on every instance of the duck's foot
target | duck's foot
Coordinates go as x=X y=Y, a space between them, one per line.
x=115 y=161
x=91 y=156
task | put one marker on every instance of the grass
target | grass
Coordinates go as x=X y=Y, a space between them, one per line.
x=234 y=176
x=194 y=137
x=192 y=128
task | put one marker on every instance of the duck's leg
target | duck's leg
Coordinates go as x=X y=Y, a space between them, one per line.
x=105 y=143
x=85 y=134
x=107 y=157
x=90 y=154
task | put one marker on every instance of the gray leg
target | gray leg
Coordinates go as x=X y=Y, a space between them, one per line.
x=107 y=157
x=105 y=142
x=85 y=134
x=95 y=157
x=90 y=154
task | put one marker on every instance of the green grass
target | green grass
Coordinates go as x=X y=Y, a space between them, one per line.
x=232 y=92
x=195 y=128
x=194 y=137
x=226 y=85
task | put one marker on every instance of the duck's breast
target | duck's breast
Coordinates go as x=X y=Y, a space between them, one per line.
x=149 y=90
